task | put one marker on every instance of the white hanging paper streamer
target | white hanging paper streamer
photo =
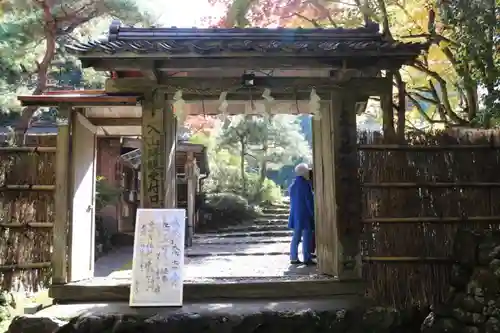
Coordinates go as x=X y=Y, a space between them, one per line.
x=179 y=104
x=223 y=104
x=267 y=95
x=268 y=99
x=314 y=104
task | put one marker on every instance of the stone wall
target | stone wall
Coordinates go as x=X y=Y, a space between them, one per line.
x=473 y=302
x=348 y=320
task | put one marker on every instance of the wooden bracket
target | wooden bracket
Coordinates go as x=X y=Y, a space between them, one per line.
x=88 y=125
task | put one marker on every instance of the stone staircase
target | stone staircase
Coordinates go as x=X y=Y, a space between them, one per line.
x=239 y=273
x=270 y=226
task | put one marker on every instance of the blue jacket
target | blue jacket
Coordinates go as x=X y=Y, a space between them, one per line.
x=301 y=205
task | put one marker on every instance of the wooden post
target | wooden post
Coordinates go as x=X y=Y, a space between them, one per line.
x=387 y=110
x=192 y=174
x=348 y=188
x=153 y=152
x=337 y=196
x=60 y=231
x=324 y=168
x=170 y=141
x=158 y=174
x=83 y=176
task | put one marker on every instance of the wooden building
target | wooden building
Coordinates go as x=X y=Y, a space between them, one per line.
x=119 y=173
x=326 y=72
x=129 y=167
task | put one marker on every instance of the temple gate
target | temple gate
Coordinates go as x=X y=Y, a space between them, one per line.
x=329 y=73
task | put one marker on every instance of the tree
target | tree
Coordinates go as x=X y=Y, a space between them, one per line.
x=281 y=142
x=265 y=143
x=447 y=77
x=476 y=36
x=197 y=124
x=236 y=135
x=26 y=24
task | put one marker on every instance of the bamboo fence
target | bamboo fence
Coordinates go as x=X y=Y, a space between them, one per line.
x=416 y=195
x=27 y=183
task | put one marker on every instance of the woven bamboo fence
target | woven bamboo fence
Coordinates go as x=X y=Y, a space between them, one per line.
x=27 y=181
x=416 y=195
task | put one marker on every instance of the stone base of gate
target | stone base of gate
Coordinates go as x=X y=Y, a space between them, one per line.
x=334 y=314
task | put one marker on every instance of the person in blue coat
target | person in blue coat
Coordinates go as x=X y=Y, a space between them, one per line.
x=301 y=218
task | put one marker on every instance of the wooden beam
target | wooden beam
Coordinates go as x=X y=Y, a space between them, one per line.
x=61 y=224
x=265 y=62
x=88 y=125
x=115 y=121
x=151 y=74
x=119 y=290
x=32 y=150
x=290 y=87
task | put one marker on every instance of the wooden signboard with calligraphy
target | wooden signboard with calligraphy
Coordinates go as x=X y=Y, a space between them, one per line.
x=153 y=153
x=157 y=268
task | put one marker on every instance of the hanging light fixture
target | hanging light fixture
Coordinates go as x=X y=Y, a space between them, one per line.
x=248 y=80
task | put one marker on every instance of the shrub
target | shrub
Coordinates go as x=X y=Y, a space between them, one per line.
x=222 y=209
x=269 y=192
x=106 y=194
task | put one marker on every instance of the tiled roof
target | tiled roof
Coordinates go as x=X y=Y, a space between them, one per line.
x=177 y=41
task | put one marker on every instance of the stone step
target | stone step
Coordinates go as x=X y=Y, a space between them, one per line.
x=277 y=233
x=249 y=228
x=274 y=216
x=215 y=240
x=242 y=249
x=323 y=314
x=236 y=254
x=267 y=221
x=283 y=210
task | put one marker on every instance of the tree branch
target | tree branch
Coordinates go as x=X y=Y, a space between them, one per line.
x=312 y=21
x=385 y=20
x=421 y=110
x=445 y=100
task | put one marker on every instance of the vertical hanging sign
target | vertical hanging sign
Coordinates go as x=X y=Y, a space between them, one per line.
x=153 y=171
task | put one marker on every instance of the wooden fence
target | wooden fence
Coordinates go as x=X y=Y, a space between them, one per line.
x=27 y=183
x=416 y=195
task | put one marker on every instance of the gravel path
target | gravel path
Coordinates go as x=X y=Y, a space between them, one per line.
x=234 y=254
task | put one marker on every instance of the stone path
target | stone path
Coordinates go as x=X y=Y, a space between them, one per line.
x=256 y=250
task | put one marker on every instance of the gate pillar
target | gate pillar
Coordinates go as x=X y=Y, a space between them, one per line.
x=159 y=133
x=336 y=184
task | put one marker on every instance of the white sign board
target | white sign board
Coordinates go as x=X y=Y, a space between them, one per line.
x=157 y=267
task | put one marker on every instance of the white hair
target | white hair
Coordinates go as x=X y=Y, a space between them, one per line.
x=302 y=169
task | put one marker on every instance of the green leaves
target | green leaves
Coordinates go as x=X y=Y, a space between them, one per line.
x=475 y=28
x=32 y=36
x=278 y=140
